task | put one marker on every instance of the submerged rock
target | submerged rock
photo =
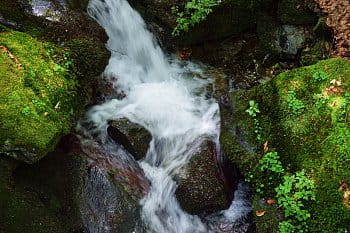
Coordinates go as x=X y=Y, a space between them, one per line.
x=203 y=186
x=133 y=137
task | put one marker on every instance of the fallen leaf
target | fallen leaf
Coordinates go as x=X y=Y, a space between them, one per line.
x=336 y=82
x=270 y=201
x=266 y=147
x=332 y=90
x=260 y=213
x=185 y=53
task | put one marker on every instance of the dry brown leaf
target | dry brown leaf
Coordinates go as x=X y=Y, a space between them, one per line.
x=185 y=53
x=260 y=213
x=336 y=82
x=266 y=147
x=332 y=90
x=270 y=201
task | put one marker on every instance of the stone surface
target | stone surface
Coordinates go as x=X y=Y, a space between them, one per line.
x=282 y=40
x=71 y=191
x=202 y=187
x=295 y=12
x=133 y=137
x=232 y=17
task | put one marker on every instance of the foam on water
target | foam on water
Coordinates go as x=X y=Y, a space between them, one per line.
x=165 y=96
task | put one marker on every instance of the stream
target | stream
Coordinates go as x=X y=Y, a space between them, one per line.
x=167 y=97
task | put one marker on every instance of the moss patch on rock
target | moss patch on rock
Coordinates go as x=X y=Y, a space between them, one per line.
x=41 y=96
x=304 y=116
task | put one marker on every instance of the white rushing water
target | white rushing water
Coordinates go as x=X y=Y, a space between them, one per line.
x=166 y=98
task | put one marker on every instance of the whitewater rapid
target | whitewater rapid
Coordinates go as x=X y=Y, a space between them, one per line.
x=164 y=96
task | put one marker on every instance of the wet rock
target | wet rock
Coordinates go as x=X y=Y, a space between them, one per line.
x=220 y=86
x=6 y=22
x=205 y=186
x=133 y=137
x=282 y=40
x=81 y=188
x=78 y=4
x=51 y=10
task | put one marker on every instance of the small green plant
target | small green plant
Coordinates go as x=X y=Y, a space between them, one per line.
x=253 y=110
x=295 y=105
x=194 y=12
x=26 y=111
x=271 y=162
x=292 y=195
x=320 y=76
x=41 y=106
x=286 y=227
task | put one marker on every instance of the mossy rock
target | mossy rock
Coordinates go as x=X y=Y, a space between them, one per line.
x=304 y=116
x=316 y=52
x=294 y=12
x=40 y=95
x=22 y=210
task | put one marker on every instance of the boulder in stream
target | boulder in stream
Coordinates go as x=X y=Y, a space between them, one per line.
x=133 y=137
x=76 y=188
x=207 y=184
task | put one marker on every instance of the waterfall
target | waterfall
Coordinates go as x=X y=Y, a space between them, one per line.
x=164 y=96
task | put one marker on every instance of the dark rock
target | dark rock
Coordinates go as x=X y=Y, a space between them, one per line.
x=78 y=4
x=133 y=137
x=232 y=17
x=314 y=53
x=77 y=188
x=282 y=40
x=206 y=186
x=23 y=208
x=295 y=12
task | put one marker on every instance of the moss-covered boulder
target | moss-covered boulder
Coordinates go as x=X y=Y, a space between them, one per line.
x=41 y=95
x=37 y=96
x=304 y=116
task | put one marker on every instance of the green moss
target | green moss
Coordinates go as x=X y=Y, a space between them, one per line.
x=88 y=58
x=317 y=139
x=38 y=92
x=294 y=12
